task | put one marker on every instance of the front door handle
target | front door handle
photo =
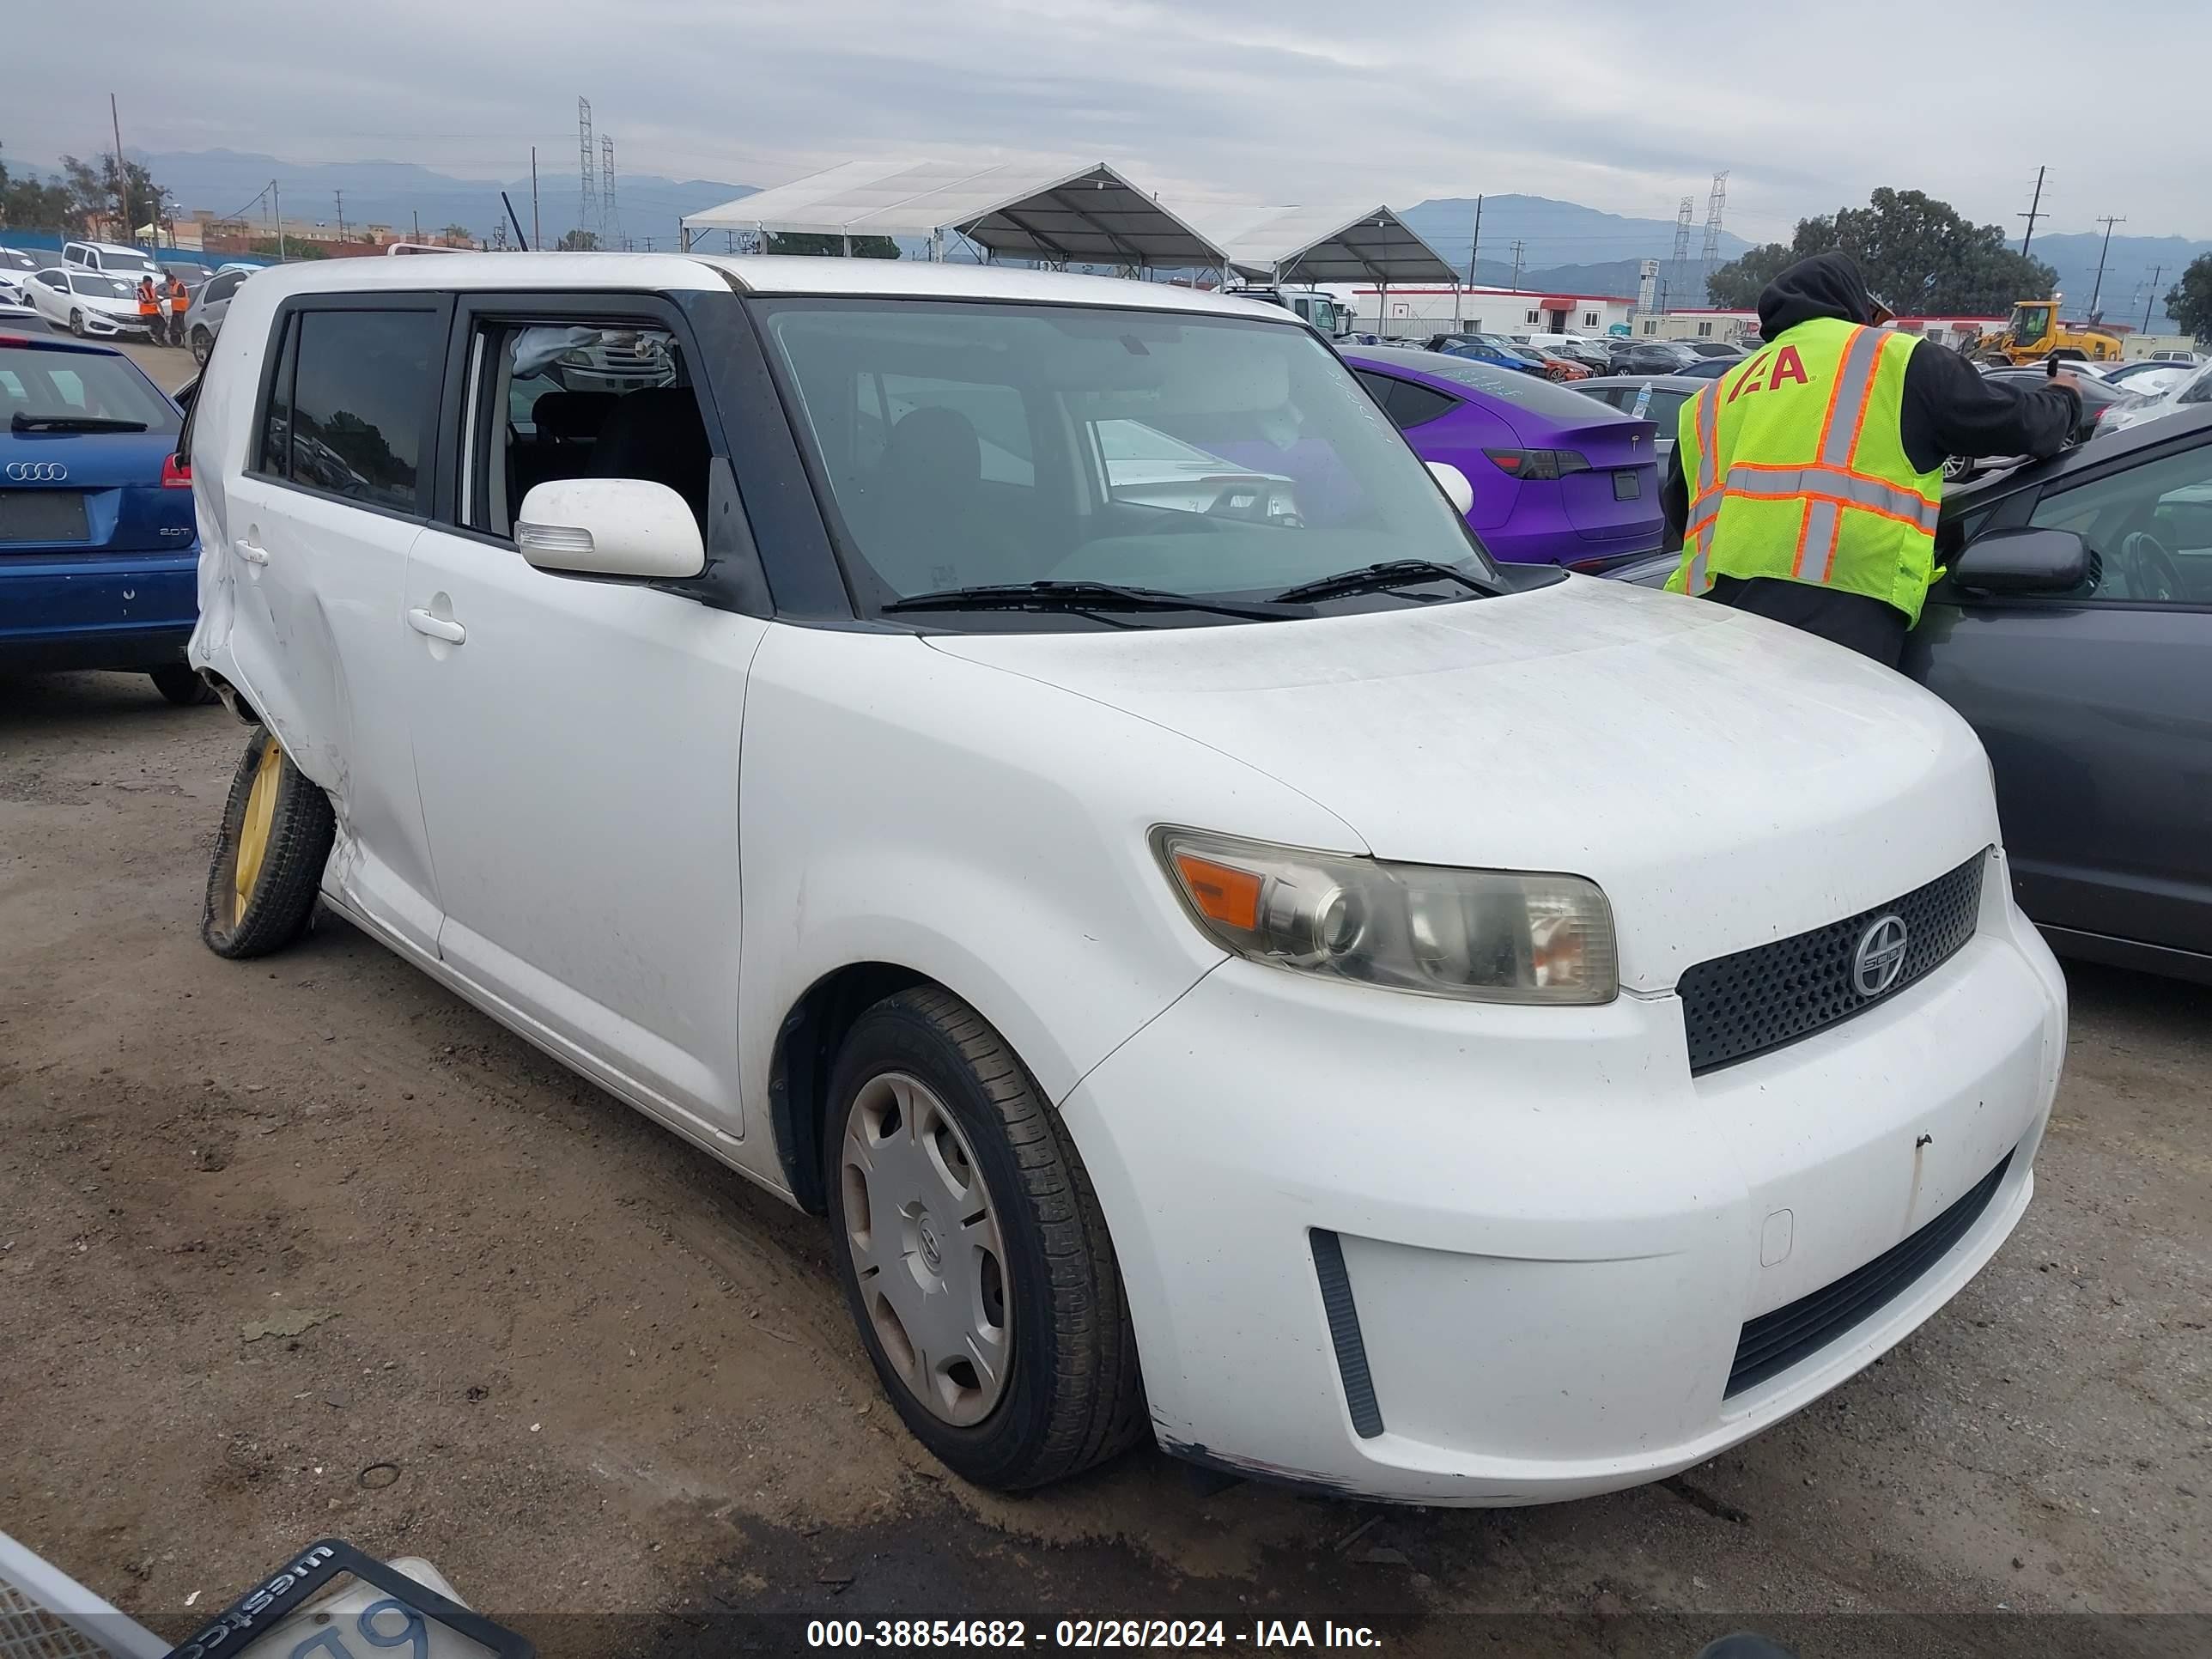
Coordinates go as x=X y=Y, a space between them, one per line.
x=251 y=554
x=422 y=622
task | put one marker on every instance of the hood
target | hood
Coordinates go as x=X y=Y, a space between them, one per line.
x=1728 y=780
x=1825 y=285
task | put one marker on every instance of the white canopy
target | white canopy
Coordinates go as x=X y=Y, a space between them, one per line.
x=1332 y=243
x=1081 y=213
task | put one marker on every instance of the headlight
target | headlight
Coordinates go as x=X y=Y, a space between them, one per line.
x=1481 y=935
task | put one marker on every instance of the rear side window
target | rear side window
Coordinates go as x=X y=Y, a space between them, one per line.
x=353 y=396
x=1411 y=405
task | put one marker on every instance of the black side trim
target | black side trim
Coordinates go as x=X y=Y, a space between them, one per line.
x=1344 y=1332
x=1773 y=1342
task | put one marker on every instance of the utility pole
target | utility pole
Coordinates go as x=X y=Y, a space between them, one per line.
x=341 y=196
x=1473 y=248
x=415 y=214
x=2156 y=271
x=2032 y=213
x=1518 y=246
x=122 y=176
x=537 y=236
x=2108 y=221
x=276 y=207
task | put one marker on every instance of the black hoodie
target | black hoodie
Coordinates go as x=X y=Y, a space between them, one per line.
x=1950 y=408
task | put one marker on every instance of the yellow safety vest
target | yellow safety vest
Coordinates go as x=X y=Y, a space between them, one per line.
x=1796 y=469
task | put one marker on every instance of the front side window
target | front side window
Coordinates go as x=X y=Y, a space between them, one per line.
x=353 y=393
x=2149 y=528
x=966 y=445
x=53 y=279
x=564 y=398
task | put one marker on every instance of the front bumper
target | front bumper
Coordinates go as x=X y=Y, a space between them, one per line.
x=100 y=323
x=61 y=610
x=1550 y=1235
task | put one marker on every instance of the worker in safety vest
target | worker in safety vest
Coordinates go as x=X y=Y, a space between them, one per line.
x=149 y=308
x=1805 y=482
x=180 y=301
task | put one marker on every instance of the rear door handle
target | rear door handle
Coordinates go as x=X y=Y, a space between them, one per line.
x=422 y=622
x=251 y=554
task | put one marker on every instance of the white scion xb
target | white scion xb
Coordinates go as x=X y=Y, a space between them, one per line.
x=1230 y=962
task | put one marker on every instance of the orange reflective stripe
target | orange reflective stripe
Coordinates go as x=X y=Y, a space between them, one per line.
x=1838 y=501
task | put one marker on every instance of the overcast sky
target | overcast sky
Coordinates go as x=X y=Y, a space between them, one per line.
x=1625 y=108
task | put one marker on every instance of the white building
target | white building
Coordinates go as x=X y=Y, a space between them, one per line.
x=1703 y=323
x=1417 y=311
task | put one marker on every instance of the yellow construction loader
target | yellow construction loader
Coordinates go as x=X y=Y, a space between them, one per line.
x=2034 y=332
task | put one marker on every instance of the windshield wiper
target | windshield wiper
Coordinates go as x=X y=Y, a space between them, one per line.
x=23 y=423
x=1082 y=596
x=1371 y=578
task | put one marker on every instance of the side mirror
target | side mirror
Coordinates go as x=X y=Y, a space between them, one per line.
x=610 y=527
x=1456 y=486
x=2023 y=560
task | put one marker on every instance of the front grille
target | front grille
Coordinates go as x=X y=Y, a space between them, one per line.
x=1773 y=1342
x=1762 y=999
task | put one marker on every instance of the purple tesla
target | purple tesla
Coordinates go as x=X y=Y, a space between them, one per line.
x=1558 y=477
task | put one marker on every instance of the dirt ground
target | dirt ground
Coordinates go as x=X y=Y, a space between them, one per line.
x=309 y=1247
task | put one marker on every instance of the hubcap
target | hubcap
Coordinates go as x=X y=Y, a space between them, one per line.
x=926 y=1248
x=253 y=829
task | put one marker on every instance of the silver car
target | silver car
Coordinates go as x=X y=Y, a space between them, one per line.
x=203 y=317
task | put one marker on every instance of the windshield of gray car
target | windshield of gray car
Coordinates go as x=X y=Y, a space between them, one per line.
x=964 y=445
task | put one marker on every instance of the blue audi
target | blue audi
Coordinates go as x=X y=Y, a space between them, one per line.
x=99 y=545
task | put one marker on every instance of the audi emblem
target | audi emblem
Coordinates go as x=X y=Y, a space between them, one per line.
x=1880 y=957
x=36 y=472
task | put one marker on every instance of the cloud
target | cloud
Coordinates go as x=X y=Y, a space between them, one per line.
x=1622 y=107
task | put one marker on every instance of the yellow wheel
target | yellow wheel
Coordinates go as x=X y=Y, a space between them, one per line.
x=253 y=830
x=276 y=837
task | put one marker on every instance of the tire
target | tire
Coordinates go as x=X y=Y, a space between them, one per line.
x=77 y=323
x=1068 y=1394
x=203 y=344
x=275 y=809
x=181 y=686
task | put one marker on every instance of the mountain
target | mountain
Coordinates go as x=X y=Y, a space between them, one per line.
x=2129 y=265
x=1554 y=235
x=399 y=193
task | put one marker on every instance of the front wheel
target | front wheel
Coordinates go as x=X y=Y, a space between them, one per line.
x=973 y=1253
x=77 y=323
x=276 y=837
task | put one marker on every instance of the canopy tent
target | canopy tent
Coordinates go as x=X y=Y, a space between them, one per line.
x=1073 y=213
x=1327 y=244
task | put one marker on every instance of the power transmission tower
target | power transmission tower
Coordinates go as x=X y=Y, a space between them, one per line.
x=2035 y=212
x=1518 y=246
x=1713 y=206
x=611 y=219
x=2108 y=221
x=1681 y=248
x=587 y=191
x=2156 y=271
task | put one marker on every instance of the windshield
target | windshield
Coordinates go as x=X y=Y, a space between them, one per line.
x=43 y=384
x=968 y=445
x=11 y=260
x=104 y=288
x=2029 y=324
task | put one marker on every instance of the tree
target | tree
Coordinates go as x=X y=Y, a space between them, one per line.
x=26 y=202
x=2188 y=301
x=577 y=241
x=93 y=192
x=864 y=247
x=458 y=234
x=1914 y=251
